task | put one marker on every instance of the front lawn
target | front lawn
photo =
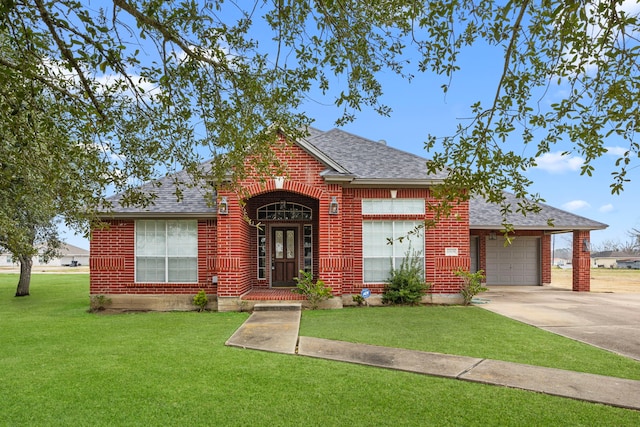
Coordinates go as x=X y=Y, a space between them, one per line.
x=60 y=365
x=466 y=331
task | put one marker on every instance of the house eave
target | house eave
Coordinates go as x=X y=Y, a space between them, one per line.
x=141 y=215
x=546 y=228
x=392 y=182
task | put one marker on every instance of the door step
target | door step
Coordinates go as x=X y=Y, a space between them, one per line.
x=278 y=307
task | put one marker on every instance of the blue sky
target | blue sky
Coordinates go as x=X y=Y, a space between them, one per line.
x=420 y=108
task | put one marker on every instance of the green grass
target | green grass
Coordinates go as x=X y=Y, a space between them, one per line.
x=466 y=331
x=60 y=365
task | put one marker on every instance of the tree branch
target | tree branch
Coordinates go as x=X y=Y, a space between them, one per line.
x=168 y=35
x=507 y=57
x=39 y=78
x=68 y=55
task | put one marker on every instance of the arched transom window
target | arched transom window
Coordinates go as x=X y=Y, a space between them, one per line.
x=284 y=211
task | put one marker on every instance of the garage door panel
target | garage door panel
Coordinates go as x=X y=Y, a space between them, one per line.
x=515 y=264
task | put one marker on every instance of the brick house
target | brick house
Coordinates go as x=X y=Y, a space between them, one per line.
x=343 y=197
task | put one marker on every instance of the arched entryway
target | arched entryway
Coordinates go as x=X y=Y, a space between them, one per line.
x=285 y=240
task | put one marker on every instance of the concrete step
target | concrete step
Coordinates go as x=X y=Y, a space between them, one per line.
x=278 y=307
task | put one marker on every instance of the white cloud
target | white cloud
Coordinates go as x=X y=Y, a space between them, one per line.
x=576 y=205
x=616 y=151
x=631 y=7
x=558 y=162
x=606 y=208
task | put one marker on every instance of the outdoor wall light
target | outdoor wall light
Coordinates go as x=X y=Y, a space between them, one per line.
x=492 y=236
x=586 y=246
x=333 y=206
x=223 y=206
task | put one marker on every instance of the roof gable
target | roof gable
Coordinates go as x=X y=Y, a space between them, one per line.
x=369 y=160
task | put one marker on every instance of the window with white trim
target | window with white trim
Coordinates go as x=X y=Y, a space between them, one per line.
x=167 y=251
x=393 y=206
x=386 y=243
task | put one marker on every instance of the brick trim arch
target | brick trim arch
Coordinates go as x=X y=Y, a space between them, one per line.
x=288 y=185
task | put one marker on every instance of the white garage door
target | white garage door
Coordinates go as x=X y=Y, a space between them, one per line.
x=515 y=264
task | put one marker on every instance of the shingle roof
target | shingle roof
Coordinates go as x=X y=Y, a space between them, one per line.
x=193 y=201
x=353 y=157
x=613 y=254
x=68 y=249
x=370 y=160
x=485 y=215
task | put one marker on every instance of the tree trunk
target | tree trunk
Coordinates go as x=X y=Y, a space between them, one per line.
x=25 y=276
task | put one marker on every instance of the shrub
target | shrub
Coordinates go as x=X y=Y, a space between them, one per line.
x=98 y=303
x=471 y=284
x=406 y=284
x=315 y=292
x=201 y=300
x=359 y=299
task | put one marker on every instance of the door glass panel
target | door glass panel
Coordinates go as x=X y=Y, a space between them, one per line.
x=291 y=246
x=279 y=244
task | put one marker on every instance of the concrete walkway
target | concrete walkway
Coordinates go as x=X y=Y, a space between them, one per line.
x=270 y=328
x=277 y=331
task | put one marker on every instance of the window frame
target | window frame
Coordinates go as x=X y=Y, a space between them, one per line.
x=393 y=206
x=397 y=251
x=167 y=257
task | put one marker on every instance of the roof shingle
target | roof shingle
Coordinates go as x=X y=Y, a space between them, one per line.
x=361 y=159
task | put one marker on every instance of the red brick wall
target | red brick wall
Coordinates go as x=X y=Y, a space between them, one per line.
x=112 y=262
x=546 y=258
x=581 y=261
x=112 y=258
x=451 y=232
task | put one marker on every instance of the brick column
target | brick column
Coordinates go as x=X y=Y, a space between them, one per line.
x=331 y=260
x=547 y=259
x=232 y=251
x=581 y=261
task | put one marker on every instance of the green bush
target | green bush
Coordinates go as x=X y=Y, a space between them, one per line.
x=315 y=292
x=406 y=284
x=359 y=299
x=201 y=300
x=471 y=284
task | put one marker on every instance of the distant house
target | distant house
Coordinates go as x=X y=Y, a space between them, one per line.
x=632 y=263
x=70 y=255
x=611 y=259
x=562 y=262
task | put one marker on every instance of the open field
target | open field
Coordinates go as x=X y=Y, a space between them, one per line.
x=602 y=279
x=48 y=269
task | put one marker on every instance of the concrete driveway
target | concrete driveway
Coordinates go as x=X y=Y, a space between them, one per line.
x=607 y=320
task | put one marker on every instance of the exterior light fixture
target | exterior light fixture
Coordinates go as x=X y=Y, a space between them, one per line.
x=223 y=206
x=492 y=236
x=586 y=246
x=333 y=206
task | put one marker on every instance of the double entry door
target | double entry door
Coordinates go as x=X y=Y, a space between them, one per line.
x=284 y=256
